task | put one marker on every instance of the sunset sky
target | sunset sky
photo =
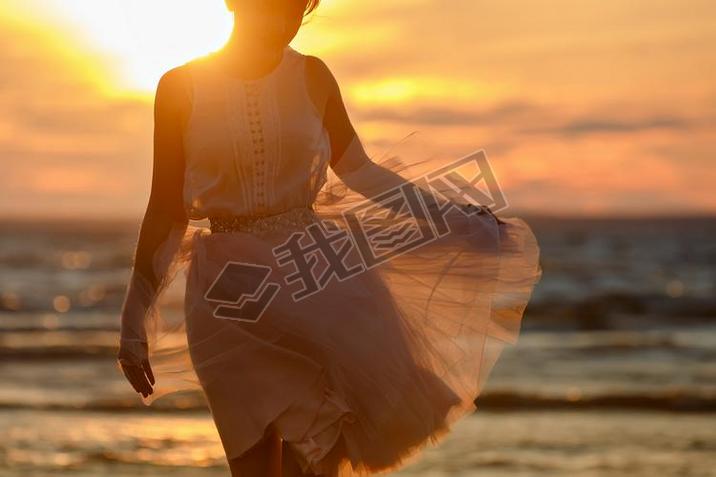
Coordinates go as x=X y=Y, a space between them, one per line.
x=593 y=107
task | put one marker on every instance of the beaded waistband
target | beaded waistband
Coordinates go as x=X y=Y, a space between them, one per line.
x=292 y=219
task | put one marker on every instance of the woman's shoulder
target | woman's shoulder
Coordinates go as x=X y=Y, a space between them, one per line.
x=175 y=79
x=191 y=67
x=174 y=90
x=318 y=70
x=194 y=65
x=179 y=78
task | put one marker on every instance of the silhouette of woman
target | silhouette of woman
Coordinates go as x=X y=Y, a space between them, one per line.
x=340 y=312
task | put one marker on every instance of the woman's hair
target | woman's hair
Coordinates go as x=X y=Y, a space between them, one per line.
x=311 y=5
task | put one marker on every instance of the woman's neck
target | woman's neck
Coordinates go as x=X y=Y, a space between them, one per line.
x=250 y=52
x=248 y=60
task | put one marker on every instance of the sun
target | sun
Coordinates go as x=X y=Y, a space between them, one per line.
x=144 y=38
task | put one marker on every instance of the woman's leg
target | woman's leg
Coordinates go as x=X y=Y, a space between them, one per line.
x=264 y=458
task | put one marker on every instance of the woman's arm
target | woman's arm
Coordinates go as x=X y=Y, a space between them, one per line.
x=165 y=208
x=164 y=216
x=348 y=156
x=347 y=152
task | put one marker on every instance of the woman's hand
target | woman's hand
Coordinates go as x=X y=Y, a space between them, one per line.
x=481 y=210
x=132 y=358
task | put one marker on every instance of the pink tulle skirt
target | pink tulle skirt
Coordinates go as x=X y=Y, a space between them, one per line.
x=359 y=374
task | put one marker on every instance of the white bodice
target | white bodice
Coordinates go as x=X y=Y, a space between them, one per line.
x=253 y=147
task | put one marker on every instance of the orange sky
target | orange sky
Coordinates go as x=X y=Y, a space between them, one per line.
x=592 y=107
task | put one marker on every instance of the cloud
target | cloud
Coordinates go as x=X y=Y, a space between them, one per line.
x=449 y=116
x=613 y=125
x=66 y=146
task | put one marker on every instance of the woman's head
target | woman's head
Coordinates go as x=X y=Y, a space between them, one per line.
x=272 y=22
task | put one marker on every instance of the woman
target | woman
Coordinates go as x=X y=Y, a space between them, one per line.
x=330 y=334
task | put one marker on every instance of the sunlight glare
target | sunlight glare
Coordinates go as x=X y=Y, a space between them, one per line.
x=148 y=38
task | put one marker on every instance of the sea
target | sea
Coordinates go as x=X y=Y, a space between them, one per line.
x=614 y=373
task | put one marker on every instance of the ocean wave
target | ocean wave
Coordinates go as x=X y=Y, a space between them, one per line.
x=98 y=338
x=687 y=400
x=682 y=400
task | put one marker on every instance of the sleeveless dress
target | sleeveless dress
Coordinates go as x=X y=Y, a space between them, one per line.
x=291 y=320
